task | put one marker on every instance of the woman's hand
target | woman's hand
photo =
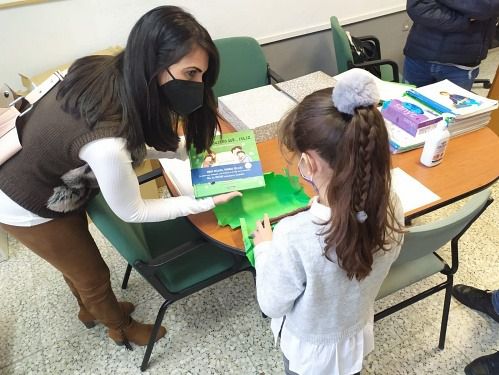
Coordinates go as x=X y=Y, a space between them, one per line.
x=263 y=231
x=223 y=198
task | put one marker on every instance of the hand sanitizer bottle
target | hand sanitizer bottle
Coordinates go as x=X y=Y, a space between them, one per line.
x=436 y=143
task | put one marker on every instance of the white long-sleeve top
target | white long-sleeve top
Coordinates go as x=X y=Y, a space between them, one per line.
x=111 y=163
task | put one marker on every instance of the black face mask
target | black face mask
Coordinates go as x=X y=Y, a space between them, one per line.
x=184 y=96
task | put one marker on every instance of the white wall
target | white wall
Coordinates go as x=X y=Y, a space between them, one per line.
x=41 y=36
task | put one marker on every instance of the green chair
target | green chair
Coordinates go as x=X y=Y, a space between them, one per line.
x=418 y=258
x=344 y=58
x=170 y=255
x=243 y=66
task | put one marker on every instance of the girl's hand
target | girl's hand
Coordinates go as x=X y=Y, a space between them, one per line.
x=223 y=198
x=263 y=231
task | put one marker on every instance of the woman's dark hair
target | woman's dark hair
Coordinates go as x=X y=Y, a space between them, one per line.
x=357 y=151
x=125 y=87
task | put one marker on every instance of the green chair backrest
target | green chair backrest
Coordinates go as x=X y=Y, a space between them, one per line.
x=128 y=238
x=424 y=239
x=341 y=46
x=243 y=65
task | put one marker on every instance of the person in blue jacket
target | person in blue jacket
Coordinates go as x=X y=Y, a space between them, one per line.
x=486 y=301
x=448 y=40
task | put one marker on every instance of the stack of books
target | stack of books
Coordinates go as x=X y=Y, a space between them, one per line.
x=259 y=110
x=409 y=118
x=300 y=87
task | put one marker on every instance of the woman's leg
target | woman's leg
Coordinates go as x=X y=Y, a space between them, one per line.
x=84 y=315
x=67 y=244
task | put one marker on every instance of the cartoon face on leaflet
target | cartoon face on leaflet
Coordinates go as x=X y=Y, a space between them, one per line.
x=209 y=160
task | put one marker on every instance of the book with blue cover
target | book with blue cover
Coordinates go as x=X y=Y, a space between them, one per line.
x=231 y=164
x=445 y=96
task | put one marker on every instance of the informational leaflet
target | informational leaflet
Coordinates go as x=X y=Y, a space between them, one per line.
x=231 y=164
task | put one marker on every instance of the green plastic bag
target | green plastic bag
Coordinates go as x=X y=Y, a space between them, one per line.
x=281 y=195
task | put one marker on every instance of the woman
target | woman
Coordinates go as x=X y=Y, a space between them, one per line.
x=88 y=132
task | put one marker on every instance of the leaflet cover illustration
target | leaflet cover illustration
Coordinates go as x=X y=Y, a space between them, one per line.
x=232 y=164
x=445 y=96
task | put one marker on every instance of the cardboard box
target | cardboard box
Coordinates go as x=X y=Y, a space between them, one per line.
x=148 y=190
x=31 y=82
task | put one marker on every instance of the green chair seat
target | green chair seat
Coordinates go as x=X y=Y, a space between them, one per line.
x=171 y=256
x=418 y=259
x=195 y=267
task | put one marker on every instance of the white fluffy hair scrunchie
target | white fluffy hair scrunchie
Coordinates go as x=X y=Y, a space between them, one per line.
x=356 y=88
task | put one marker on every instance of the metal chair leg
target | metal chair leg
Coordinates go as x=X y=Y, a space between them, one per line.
x=154 y=333
x=445 y=313
x=126 y=277
x=253 y=272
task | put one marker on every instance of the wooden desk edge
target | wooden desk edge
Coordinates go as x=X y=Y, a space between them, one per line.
x=236 y=244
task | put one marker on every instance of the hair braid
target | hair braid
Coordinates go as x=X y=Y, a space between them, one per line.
x=356 y=148
x=367 y=143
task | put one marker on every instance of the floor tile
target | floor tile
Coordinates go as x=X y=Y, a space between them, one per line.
x=19 y=324
x=32 y=364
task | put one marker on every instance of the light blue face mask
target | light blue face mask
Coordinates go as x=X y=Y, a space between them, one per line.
x=309 y=179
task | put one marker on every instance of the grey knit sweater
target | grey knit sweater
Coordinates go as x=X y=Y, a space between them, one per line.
x=321 y=305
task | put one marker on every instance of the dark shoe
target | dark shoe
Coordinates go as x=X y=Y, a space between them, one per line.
x=89 y=321
x=476 y=299
x=486 y=365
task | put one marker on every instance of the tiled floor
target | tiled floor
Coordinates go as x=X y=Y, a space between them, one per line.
x=220 y=330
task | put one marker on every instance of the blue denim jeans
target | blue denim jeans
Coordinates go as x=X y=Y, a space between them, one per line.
x=495 y=300
x=421 y=73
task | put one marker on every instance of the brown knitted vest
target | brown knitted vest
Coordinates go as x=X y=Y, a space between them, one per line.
x=47 y=177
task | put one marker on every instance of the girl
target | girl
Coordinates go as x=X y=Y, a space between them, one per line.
x=319 y=272
x=88 y=132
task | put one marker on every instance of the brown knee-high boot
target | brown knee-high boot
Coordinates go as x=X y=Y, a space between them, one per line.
x=67 y=244
x=85 y=316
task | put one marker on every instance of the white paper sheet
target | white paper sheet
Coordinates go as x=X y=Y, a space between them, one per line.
x=412 y=193
x=179 y=172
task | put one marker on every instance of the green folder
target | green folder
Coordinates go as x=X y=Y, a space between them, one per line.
x=281 y=195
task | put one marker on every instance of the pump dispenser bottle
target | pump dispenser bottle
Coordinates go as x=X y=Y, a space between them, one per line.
x=436 y=143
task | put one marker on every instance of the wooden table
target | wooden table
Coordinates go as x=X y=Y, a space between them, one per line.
x=471 y=163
